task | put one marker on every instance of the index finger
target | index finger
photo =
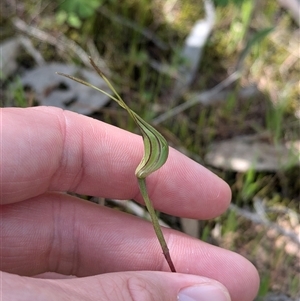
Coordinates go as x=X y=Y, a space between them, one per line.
x=48 y=149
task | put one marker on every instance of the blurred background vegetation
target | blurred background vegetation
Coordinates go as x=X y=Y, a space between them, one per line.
x=230 y=102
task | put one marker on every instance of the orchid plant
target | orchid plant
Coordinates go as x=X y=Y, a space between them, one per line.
x=155 y=155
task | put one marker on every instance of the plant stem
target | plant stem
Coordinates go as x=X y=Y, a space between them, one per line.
x=156 y=226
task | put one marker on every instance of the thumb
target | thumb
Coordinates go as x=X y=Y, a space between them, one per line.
x=129 y=286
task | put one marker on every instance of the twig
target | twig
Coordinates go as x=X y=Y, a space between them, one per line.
x=203 y=98
x=260 y=218
x=63 y=43
x=27 y=44
x=293 y=216
x=136 y=210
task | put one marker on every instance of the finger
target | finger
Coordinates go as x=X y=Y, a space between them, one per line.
x=129 y=286
x=62 y=234
x=49 y=149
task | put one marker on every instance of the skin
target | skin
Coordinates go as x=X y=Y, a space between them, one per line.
x=44 y=153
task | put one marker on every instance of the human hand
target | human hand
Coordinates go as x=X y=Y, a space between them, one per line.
x=44 y=153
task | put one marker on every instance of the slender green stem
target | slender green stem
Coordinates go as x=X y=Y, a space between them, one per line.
x=156 y=226
x=156 y=152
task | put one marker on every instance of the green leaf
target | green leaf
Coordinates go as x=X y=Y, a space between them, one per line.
x=227 y=2
x=74 y=21
x=256 y=38
x=81 y=8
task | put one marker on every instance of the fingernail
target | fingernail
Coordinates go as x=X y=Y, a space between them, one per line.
x=203 y=293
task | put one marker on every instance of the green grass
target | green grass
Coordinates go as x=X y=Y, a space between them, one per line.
x=241 y=33
x=16 y=94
